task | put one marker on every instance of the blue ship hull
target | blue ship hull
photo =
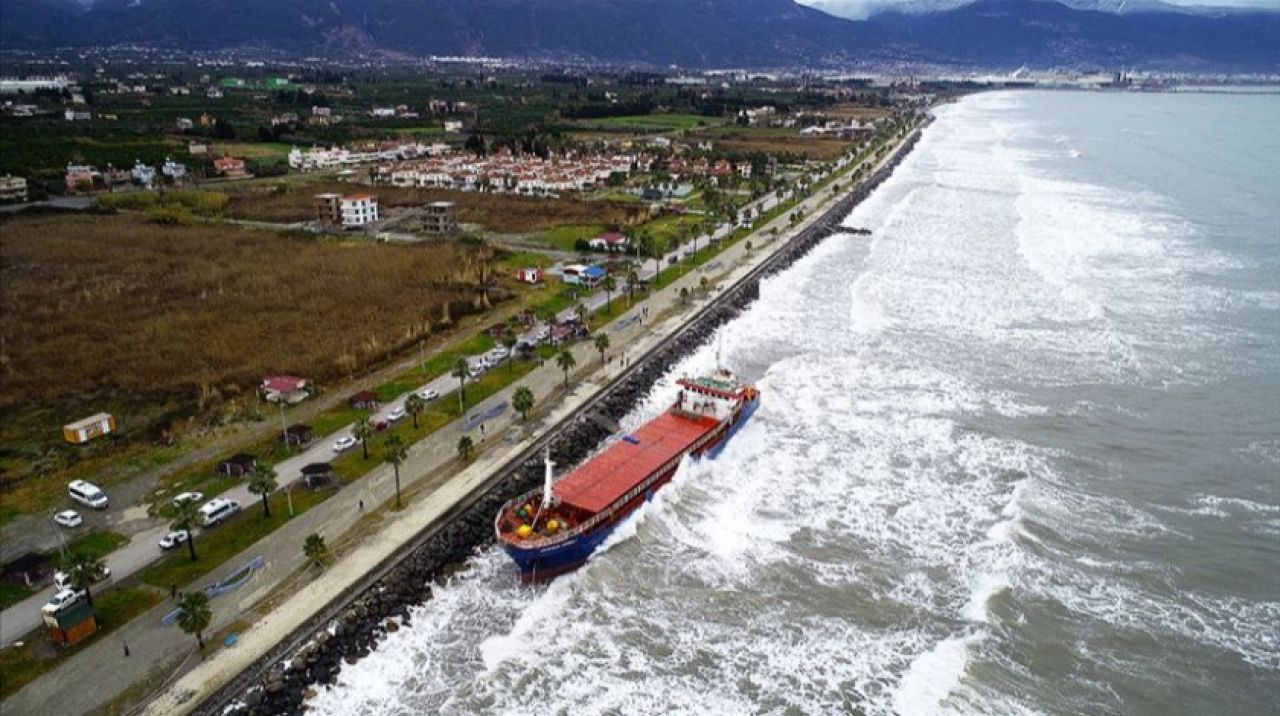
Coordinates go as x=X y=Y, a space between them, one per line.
x=544 y=563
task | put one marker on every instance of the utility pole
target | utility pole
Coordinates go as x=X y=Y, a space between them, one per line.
x=284 y=427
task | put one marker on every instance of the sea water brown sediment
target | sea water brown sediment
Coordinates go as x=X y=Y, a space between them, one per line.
x=353 y=624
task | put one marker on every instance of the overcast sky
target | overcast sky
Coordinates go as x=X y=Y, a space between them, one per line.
x=861 y=8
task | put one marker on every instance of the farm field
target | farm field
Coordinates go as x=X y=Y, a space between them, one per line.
x=659 y=122
x=783 y=142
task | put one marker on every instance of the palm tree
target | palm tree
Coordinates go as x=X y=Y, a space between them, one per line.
x=262 y=481
x=83 y=569
x=673 y=244
x=522 y=401
x=509 y=342
x=414 y=404
x=316 y=551
x=632 y=279
x=194 y=615
x=460 y=368
x=186 y=515
x=601 y=342
x=747 y=246
x=363 y=430
x=465 y=446
x=609 y=285
x=396 y=452
x=566 y=363
x=684 y=295
x=704 y=284
x=653 y=249
x=581 y=309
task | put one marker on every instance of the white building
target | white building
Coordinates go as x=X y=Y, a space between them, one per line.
x=358 y=210
x=143 y=174
x=173 y=170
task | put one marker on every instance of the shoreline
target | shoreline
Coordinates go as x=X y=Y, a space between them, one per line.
x=346 y=620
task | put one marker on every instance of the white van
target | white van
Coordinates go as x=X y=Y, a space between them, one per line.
x=87 y=494
x=217 y=510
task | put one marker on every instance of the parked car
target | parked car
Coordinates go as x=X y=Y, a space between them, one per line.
x=428 y=394
x=173 y=539
x=344 y=444
x=476 y=368
x=498 y=354
x=62 y=580
x=217 y=510
x=68 y=518
x=87 y=494
x=397 y=415
x=187 y=497
x=63 y=599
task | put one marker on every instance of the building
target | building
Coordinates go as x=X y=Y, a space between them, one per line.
x=184 y=123
x=173 y=170
x=364 y=400
x=237 y=465
x=81 y=177
x=197 y=148
x=453 y=125
x=143 y=174
x=579 y=275
x=86 y=429
x=358 y=210
x=317 y=474
x=328 y=208
x=440 y=218
x=12 y=189
x=285 y=388
x=611 y=241
x=75 y=115
x=71 y=624
x=529 y=275
x=297 y=434
x=230 y=167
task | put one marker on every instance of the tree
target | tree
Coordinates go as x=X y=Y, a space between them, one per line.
x=262 y=481
x=633 y=278
x=601 y=342
x=83 y=569
x=509 y=341
x=748 y=247
x=684 y=295
x=414 y=405
x=704 y=284
x=609 y=285
x=460 y=369
x=396 y=452
x=316 y=551
x=522 y=401
x=465 y=447
x=194 y=615
x=363 y=430
x=186 y=515
x=566 y=362
x=582 y=312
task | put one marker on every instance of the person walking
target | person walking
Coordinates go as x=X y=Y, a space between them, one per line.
x=361 y=506
x=173 y=590
x=126 y=649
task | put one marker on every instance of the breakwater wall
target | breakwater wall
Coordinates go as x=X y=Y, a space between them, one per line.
x=351 y=626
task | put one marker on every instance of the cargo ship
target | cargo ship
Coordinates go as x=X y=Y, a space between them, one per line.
x=555 y=528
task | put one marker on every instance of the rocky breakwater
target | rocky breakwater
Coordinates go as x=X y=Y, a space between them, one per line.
x=352 y=627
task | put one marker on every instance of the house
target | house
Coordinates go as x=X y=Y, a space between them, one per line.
x=530 y=275
x=440 y=218
x=197 y=148
x=12 y=189
x=358 y=210
x=230 y=167
x=579 y=275
x=29 y=570
x=81 y=177
x=296 y=434
x=184 y=123
x=317 y=474
x=285 y=388
x=611 y=241
x=173 y=170
x=143 y=174
x=382 y=112
x=237 y=465
x=74 y=115
x=328 y=208
x=453 y=125
x=364 y=400
x=213 y=93
x=86 y=429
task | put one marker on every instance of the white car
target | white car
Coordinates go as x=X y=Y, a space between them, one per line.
x=62 y=580
x=173 y=539
x=344 y=444
x=188 y=497
x=498 y=353
x=396 y=415
x=428 y=394
x=68 y=518
x=62 y=600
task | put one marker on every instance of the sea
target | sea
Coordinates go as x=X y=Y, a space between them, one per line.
x=1018 y=453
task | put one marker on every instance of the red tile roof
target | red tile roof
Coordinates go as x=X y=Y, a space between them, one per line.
x=596 y=484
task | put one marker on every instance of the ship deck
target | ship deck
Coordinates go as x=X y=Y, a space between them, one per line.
x=607 y=476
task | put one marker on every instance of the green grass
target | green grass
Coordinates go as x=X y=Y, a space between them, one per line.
x=651 y=121
x=8 y=513
x=219 y=544
x=11 y=594
x=20 y=666
x=97 y=544
x=564 y=238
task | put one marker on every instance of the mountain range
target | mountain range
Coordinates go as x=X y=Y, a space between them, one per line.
x=993 y=34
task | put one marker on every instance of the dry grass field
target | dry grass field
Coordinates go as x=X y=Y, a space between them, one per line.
x=496 y=212
x=777 y=141
x=102 y=304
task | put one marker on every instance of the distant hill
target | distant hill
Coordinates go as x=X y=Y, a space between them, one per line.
x=691 y=33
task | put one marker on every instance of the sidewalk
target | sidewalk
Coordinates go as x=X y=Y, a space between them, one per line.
x=432 y=483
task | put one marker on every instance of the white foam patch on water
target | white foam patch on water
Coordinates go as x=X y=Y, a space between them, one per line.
x=931 y=678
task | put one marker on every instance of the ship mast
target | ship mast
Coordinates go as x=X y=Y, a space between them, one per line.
x=546 y=481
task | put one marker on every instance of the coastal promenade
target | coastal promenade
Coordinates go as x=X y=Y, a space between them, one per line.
x=434 y=483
